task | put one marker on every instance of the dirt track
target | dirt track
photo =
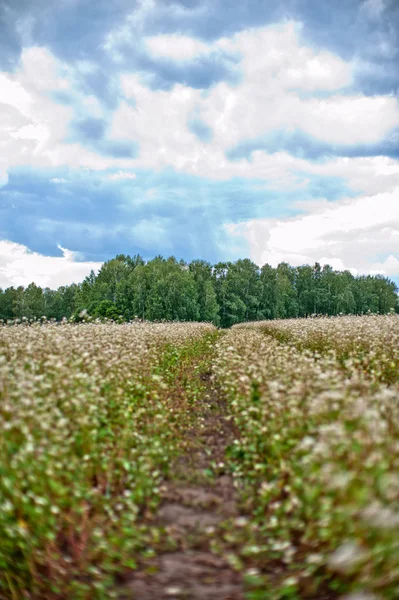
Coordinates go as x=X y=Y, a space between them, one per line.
x=193 y=509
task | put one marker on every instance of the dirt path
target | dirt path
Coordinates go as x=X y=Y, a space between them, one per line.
x=196 y=500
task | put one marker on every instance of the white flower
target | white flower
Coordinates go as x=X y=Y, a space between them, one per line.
x=380 y=516
x=241 y=521
x=173 y=591
x=306 y=443
x=359 y=596
x=345 y=557
x=315 y=559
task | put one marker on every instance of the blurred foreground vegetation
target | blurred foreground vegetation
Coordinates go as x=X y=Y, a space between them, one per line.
x=92 y=414
x=316 y=403
x=90 y=418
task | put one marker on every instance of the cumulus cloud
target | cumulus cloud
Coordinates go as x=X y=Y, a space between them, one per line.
x=277 y=69
x=370 y=175
x=35 y=129
x=390 y=266
x=340 y=120
x=276 y=53
x=188 y=130
x=35 y=124
x=176 y=47
x=352 y=233
x=20 y=266
x=159 y=122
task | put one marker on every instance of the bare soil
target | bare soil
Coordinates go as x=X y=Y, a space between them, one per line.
x=195 y=503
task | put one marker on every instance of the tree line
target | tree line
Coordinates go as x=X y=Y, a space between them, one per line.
x=226 y=293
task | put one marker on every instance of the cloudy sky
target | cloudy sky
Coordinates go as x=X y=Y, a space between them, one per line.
x=209 y=129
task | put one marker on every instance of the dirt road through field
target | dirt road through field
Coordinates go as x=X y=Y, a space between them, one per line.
x=196 y=499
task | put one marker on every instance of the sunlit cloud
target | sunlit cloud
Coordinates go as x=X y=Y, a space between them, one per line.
x=20 y=266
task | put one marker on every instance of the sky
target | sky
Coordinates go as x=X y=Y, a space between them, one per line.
x=209 y=129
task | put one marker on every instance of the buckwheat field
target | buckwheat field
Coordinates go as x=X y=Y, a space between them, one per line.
x=93 y=417
x=90 y=415
x=317 y=406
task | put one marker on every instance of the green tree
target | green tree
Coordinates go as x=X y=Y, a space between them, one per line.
x=30 y=302
x=268 y=292
x=208 y=308
x=225 y=294
x=286 y=294
x=8 y=302
x=305 y=290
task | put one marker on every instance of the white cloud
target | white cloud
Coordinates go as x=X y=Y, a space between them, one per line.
x=58 y=180
x=390 y=266
x=370 y=175
x=35 y=124
x=250 y=111
x=347 y=234
x=275 y=54
x=159 y=124
x=133 y=29
x=341 y=119
x=176 y=47
x=128 y=33
x=20 y=266
x=122 y=175
x=276 y=68
x=3 y=178
x=275 y=64
x=33 y=128
x=42 y=71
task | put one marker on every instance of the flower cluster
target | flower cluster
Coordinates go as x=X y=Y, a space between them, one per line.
x=370 y=343
x=89 y=421
x=316 y=402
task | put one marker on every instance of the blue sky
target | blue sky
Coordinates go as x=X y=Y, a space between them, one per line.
x=199 y=128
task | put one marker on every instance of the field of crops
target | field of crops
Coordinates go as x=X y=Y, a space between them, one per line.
x=92 y=416
x=316 y=402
